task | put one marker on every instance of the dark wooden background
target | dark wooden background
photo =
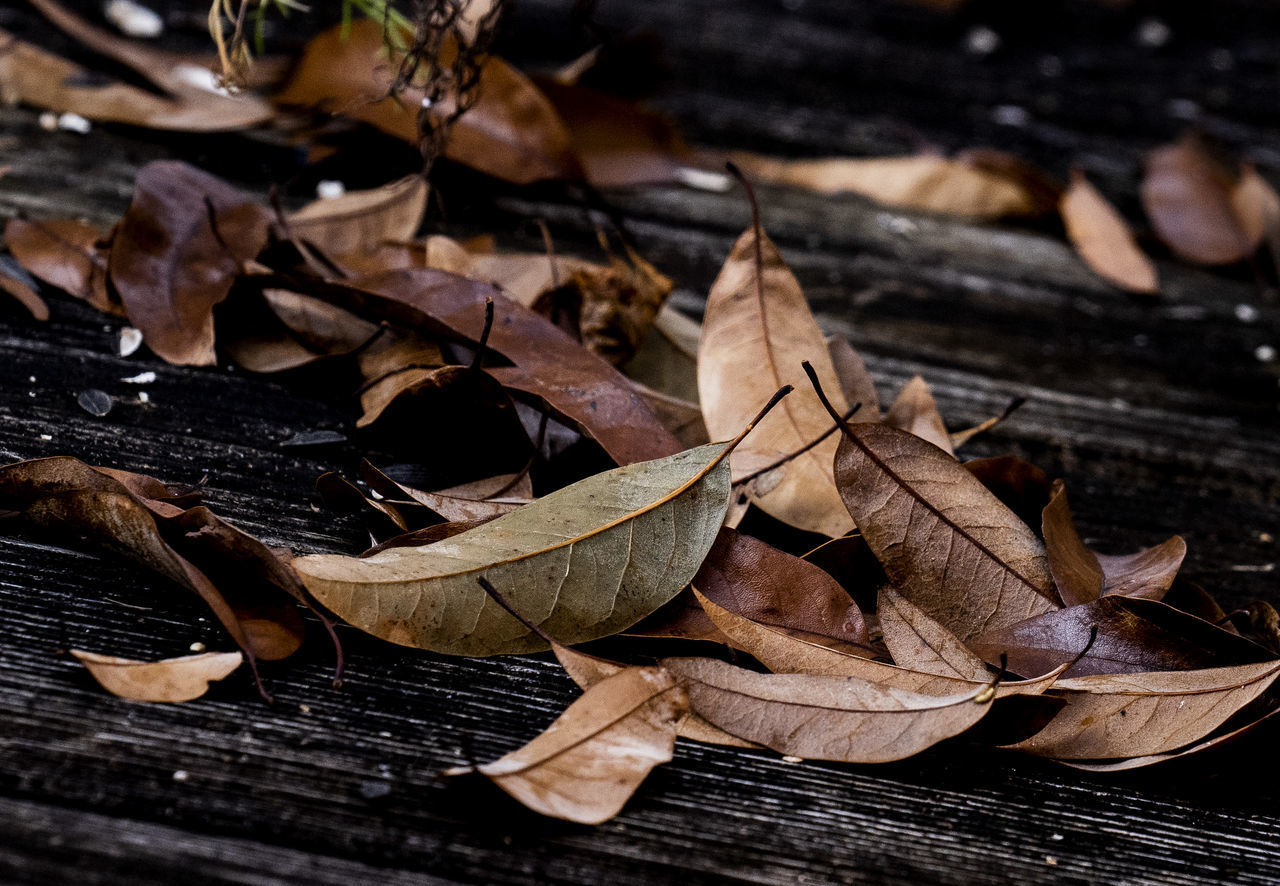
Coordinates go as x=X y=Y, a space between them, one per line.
x=1159 y=414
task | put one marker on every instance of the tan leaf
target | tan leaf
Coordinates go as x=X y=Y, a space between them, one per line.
x=951 y=547
x=589 y=762
x=916 y=412
x=855 y=380
x=584 y=562
x=1149 y=573
x=925 y=182
x=172 y=679
x=918 y=642
x=24 y=295
x=361 y=221
x=788 y=653
x=1187 y=196
x=1133 y=715
x=1257 y=207
x=824 y=718
x=756 y=332
x=1103 y=239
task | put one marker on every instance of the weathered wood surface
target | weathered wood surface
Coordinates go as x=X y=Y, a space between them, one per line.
x=1159 y=415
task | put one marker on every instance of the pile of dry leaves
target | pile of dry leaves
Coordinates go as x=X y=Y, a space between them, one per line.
x=936 y=591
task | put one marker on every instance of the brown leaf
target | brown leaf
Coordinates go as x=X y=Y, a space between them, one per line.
x=1133 y=715
x=1075 y=568
x=918 y=642
x=589 y=762
x=619 y=143
x=427 y=535
x=667 y=360
x=916 y=412
x=953 y=549
x=466 y=503
x=512 y=132
x=788 y=653
x=66 y=254
x=284 y=330
x=824 y=718
x=169 y=680
x=1023 y=487
x=681 y=618
x=1149 y=573
x=361 y=221
x=1102 y=238
x=1133 y=635
x=550 y=367
x=925 y=182
x=192 y=103
x=763 y=584
x=855 y=380
x=169 y=264
x=756 y=333
x=1187 y=196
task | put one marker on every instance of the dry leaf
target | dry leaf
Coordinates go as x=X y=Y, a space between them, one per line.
x=66 y=254
x=1075 y=568
x=916 y=412
x=22 y=292
x=788 y=653
x=170 y=266
x=918 y=642
x=1187 y=196
x=1133 y=715
x=953 y=549
x=458 y=504
x=824 y=718
x=756 y=333
x=171 y=680
x=284 y=330
x=763 y=584
x=1149 y=573
x=855 y=380
x=1102 y=238
x=1133 y=635
x=512 y=131
x=589 y=762
x=361 y=221
x=584 y=562
x=925 y=182
x=1257 y=208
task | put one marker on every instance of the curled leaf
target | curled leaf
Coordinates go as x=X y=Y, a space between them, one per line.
x=589 y=762
x=169 y=680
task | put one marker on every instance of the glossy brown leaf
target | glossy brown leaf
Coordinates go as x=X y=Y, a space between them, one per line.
x=168 y=680
x=763 y=584
x=1102 y=238
x=916 y=412
x=1187 y=196
x=589 y=762
x=824 y=718
x=66 y=254
x=1133 y=715
x=1075 y=568
x=953 y=549
x=1133 y=635
x=282 y=330
x=550 y=367
x=170 y=266
x=757 y=331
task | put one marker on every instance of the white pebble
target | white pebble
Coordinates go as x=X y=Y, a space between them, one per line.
x=1246 y=313
x=330 y=190
x=142 y=378
x=49 y=121
x=46 y=437
x=197 y=647
x=74 y=123
x=982 y=41
x=702 y=180
x=1264 y=353
x=181 y=775
x=1153 y=33
x=144 y=397
x=133 y=19
x=130 y=340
